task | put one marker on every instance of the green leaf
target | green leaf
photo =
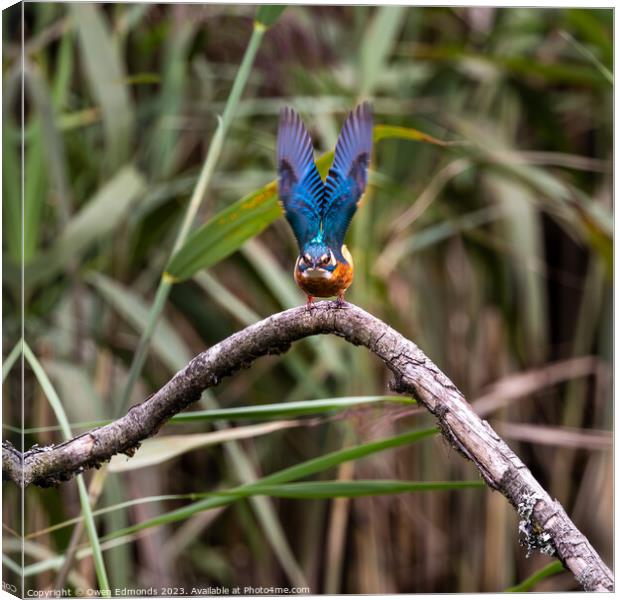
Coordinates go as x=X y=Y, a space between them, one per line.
x=425 y=238
x=61 y=417
x=167 y=344
x=103 y=67
x=10 y=360
x=244 y=471
x=34 y=190
x=11 y=205
x=81 y=400
x=286 y=409
x=51 y=141
x=98 y=218
x=305 y=490
x=333 y=459
x=265 y=411
x=377 y=44
x=521 y=230
x=163 y=142
x=562 y=72
x=227 y=231
x=527 y=584
x=305 y=469
x=268 y=14
x=157 y=450
x=350 y=489
x=112 y=508
x=385 y=132
x=593 y=29
x=12 y=565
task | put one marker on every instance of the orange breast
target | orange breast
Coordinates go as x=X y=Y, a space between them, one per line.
x=341 y=279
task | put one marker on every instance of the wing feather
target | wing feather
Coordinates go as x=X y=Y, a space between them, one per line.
x=347 y=178
x=299 y=184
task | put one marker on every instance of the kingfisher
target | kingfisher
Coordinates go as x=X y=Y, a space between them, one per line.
x=318 y=212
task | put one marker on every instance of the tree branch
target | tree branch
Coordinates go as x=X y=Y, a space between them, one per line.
x=544 y=523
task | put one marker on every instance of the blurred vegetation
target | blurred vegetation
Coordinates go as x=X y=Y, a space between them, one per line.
x=493 y=253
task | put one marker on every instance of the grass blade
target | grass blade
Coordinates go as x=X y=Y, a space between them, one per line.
x=316 y=490
x=323 y=490
x=52 y=143
x=11 y=564
x=527 y=584
x=105 y=72
x=112 y=508
x=99 y=217
x=167 y=344
x=418 y=241
x=522 y=232
x=287 y=409
x=56 y=562
x=225 y=233
x=264 y=411
x=73 y=383
x=377 y=44
x=11 y=186
x=10 y=360
x=206 y=173
x=162 y=154
x=305 y=469
x=61 y=417
x=34 y=190
x=156 y=451
x=589 y=55
x=265 y=511
x=268 y=14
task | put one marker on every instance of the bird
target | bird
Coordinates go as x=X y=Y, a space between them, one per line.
x=319 y=212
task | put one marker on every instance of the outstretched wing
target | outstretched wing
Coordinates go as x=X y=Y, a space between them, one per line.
x=347 y=178
x=299 y=184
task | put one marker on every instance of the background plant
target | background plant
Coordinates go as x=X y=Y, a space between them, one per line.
x=493 y=254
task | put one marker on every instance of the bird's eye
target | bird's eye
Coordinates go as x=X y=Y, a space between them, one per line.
x=324 y=259
x=307 y=259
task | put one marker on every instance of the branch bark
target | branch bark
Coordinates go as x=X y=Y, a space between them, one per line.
x=544 y=523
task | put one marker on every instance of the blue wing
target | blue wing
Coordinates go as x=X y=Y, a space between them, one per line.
x=299 y=184
x=347 y=178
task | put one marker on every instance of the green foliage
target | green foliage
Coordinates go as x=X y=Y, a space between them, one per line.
x=547 y=571
x=105 y=71
x=304 y=469
x=100 y=216
x=225 y=233
x=268 y=14
x=281 y=410
x=322 y=490
x=61 y=417
x=166 y=342
x=284 y=410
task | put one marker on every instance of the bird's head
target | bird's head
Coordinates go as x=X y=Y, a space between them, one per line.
x=316 y=258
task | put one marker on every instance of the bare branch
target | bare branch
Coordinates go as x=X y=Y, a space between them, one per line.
x=545 y=525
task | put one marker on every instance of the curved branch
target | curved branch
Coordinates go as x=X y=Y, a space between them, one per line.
x=545 y=525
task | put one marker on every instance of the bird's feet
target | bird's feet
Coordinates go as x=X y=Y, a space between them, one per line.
x=309 y=304
x=340 y=302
